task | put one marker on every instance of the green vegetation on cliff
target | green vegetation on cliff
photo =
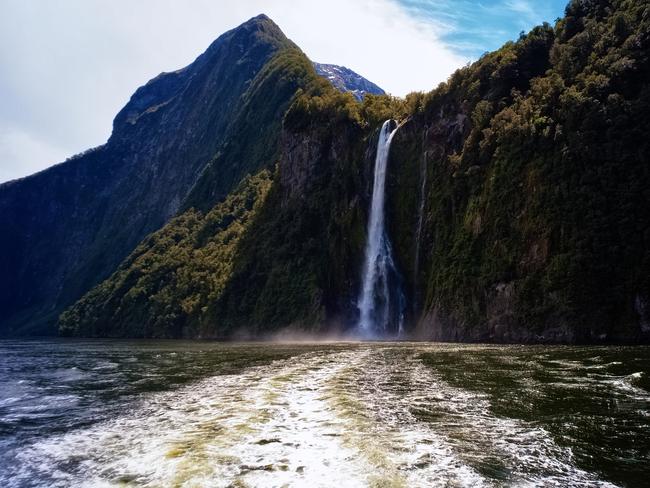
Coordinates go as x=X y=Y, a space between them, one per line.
x=536 y=225
x=252 y=139
x=517 y=202
x=291 y=263
x=66 y=229
x=165 y=286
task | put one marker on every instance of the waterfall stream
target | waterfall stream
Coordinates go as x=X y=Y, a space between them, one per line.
x=418 y=232
x=381 y=302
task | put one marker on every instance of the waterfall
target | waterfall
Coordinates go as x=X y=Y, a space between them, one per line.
x=418 y=232
x=381 y=302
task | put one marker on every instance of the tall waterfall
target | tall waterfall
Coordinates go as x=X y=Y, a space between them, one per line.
x=381 y=302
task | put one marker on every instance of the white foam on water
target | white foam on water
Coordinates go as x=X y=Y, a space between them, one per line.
x=401 y=451
x=628 y=386
x=266 y=427
x=363 y=416
x=461 y=434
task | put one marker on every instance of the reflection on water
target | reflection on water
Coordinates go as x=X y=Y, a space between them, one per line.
x=103 y=413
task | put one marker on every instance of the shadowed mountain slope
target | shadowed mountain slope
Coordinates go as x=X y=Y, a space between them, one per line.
x=516 y=202
x=68 y=227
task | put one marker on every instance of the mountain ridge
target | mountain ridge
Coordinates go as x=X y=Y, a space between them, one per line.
x=515 y=200
x=506 y=226
x=94 y=209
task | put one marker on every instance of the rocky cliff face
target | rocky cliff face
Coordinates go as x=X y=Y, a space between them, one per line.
x=517 y=198
x=67 y=228
x=516 y=194
x=279 y=253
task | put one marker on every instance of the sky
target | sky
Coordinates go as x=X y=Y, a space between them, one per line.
x=67 y=67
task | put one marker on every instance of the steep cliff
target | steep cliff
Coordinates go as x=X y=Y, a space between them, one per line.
x=68 y=227
x=517 y=205
x=163 y=288
x=520 y=203
x=276 y=253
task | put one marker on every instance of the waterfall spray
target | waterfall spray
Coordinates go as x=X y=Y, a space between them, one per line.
x=381 y=303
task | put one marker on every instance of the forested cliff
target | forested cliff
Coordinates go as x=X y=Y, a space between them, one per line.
x=518 y=198
x=68 y=227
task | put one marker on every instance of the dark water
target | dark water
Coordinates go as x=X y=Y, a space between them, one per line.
x=108 y=413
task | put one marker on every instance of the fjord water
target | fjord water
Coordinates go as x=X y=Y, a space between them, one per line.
x=103 y=413
x=381 y=300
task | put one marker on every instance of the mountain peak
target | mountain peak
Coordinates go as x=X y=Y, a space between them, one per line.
x=162 y=140
x=260 y=18
x=251 y=42
x=346 y=80
x=260 y=23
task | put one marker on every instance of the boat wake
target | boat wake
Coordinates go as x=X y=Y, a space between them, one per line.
x=359 y=416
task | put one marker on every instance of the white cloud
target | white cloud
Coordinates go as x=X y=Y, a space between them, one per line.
x=67 y=67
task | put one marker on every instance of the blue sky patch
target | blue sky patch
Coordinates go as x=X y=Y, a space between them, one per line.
x=472 y=28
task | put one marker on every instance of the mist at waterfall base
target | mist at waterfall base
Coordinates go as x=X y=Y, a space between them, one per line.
x=381 y=302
